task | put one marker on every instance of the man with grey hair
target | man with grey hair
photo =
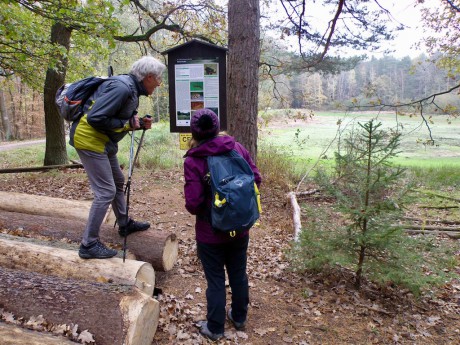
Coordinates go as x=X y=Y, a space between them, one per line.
x=109 y=114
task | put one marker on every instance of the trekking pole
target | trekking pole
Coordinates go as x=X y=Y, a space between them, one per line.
x=141 y=140
x=128 y=183
x=128 y=189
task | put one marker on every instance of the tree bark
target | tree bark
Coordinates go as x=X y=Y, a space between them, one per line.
x=44 y=205
x=40 y=258
x=14 y=335
x=114 y=314
x=55 y=152
x=243 y=71
x=159 y=248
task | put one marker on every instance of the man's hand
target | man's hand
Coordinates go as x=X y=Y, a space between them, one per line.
x=146 y=122
x=134 y=122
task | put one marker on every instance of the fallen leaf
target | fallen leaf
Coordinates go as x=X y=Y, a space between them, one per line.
x=242 y=335
x=181 y=335
x=86 y=337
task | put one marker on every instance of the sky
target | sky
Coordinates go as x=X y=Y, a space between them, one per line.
x=402 y=11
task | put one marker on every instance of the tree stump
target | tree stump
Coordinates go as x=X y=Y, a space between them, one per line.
x=65 y=263
x=113 y=314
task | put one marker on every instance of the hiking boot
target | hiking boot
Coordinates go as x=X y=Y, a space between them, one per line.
x=204 y=330
x=239 y=326
x=132 y=226
x=96 y=251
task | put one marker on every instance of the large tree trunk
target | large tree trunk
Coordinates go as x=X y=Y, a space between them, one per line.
x=114 y=314
x=159 y=248
x=41 y=258
x=55 y=152
x=243 y=71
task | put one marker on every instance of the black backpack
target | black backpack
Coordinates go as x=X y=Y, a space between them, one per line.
x=71 y=98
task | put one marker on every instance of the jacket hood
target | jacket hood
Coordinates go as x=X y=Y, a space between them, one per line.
x=213 y=147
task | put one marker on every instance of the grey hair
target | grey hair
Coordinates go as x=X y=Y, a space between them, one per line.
x=147 y=65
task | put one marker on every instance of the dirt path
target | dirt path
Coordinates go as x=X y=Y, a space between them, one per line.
x=6 y=146
x=286 y=307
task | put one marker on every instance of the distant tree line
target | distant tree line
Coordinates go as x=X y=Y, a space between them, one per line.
x=386 y=80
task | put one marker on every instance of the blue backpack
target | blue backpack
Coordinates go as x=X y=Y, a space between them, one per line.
x=236 y=199
x=71 y=98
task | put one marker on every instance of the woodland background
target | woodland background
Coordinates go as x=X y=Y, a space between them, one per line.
x=300 y=65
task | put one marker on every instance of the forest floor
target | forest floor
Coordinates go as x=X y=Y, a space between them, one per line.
x=286 y=307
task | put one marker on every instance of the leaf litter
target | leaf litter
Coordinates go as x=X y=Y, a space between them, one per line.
x=286 y=307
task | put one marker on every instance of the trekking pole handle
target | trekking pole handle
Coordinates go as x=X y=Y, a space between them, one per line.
x=141 y=120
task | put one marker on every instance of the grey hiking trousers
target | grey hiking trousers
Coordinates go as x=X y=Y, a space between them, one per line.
x=107 y=181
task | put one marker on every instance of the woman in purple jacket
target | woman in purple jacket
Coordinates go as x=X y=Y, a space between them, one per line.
x=216 y=251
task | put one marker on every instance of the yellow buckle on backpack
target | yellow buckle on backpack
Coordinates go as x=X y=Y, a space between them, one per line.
x=218 y=202
x=232 y=233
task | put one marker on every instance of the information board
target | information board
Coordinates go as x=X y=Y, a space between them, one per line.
x=196 y=87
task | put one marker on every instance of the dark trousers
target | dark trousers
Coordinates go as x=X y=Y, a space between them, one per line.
x=215 y=258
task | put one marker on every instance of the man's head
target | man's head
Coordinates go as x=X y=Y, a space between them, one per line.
x=148 y=70
x=204 y=124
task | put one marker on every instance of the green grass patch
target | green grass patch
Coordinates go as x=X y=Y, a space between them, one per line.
x=318 y=137
x=159 y=151
x=30 y=156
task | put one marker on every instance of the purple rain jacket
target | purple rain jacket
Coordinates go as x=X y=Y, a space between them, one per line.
x=198 y=198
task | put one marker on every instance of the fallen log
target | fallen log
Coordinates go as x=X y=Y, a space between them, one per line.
x=427 y=220
x=447 y=197
x=295 y=215
x=438 y=207
x=67 y=264
x=14 y=335
x=451 y=234
x=428 y=227
x=159 y=248
x=45 y=206
x=43 y=168
x=113 y=314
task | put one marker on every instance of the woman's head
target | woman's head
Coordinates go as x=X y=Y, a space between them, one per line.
x=148 y=70
x=204 y=124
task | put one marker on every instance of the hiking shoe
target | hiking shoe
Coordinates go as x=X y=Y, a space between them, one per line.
x=239 y=326
x=204 y=330
x=96 y=251
x=132 y=226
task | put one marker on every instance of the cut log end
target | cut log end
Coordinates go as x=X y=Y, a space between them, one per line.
x=145 y=279
x=170 y=252
x=141 y=315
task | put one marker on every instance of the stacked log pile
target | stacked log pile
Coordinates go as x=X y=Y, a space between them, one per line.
x=111 y=299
